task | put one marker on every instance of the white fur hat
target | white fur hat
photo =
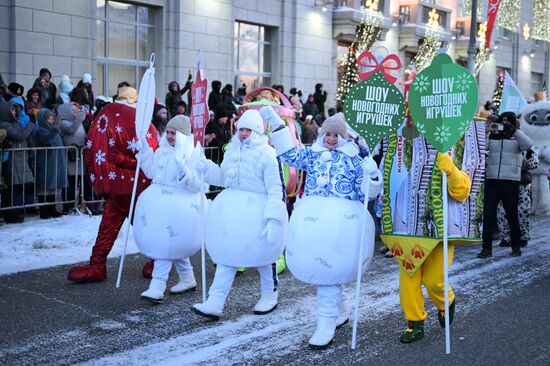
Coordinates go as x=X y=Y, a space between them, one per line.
x=252 y=120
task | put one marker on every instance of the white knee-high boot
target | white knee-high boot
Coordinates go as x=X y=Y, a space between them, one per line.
x=213 y=307
x=329 y=298
x=269 y=295
x=187 y=280
x=155 y=292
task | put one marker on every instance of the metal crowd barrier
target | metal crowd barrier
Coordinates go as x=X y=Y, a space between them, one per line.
x=78 y=192
x=22 y=162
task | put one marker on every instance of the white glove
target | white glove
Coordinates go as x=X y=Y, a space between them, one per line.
x=361 y=142
x=273 y=232
x=202 y=165
x=370 y=168
x=272 y=118
x=182 y=169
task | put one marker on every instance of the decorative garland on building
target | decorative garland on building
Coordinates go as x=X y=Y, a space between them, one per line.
x=482 y=53
x=541 y=20
x=366 y=34
x=509 y=13
x=432 y=42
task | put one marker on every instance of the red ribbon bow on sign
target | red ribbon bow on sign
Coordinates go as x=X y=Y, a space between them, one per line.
x=367 y=59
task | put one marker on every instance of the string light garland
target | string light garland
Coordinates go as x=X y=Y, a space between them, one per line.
x=366 y=34
x=482 y=53
x=467 y=8
x=432 y=42
x=541 y=20
x=497 y=94
x=509 y=12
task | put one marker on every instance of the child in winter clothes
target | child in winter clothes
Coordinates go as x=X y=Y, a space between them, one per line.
x=248 y=217
x=325 y=227
x=172 y=169
x=51 y=164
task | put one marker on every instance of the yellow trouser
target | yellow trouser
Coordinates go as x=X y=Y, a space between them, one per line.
x=431 y=275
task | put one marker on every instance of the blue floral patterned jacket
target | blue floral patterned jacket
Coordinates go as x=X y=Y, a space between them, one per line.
x=330 y=173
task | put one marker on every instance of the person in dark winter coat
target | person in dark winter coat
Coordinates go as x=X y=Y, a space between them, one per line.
x=227 y=94
x=86 y=84
x=48 y=89
x=160 y=118
x=3 y=87
x=15 y=169
x=174 y=95
x=502 y=180
x=320 y=97
x=215 y=96
x=310 y=108
x=218 y=131
x=51 y=164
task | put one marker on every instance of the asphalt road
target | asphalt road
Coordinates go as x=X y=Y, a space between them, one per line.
x=501 y=318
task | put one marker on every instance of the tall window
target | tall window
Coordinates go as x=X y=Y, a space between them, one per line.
x=124 y=43
x=537 y=79
x=252 y=55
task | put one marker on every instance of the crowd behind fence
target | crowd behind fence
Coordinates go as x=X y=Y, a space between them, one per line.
x=28 y=177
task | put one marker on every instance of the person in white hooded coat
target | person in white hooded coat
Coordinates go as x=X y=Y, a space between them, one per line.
x=325 y=227
x=166 y=223
x=247 y=220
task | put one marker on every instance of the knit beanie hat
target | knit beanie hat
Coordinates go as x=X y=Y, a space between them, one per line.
x=87 y=78
x=180 y=123
x=16 y=89
x=252 y=120
x=335 y=124
x=45 y=71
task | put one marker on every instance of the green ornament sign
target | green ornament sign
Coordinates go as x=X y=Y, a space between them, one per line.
x=442 y=102
x=374 y=108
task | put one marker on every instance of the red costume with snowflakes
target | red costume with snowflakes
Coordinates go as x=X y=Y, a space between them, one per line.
x=111 y=163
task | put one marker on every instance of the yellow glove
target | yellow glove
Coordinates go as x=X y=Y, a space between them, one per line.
x=458 y=182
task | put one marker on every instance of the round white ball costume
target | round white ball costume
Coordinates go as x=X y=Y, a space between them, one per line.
x=247 y=220
x=167 y=218
x=325 y=227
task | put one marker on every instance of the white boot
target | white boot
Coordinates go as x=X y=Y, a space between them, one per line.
x=187 y=283
x=155 y=292
x=267 y=303
x=324 y=334
x=212 y=308
x=343 y=313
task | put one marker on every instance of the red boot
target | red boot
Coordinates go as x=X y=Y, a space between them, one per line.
x=147 y=270
x=116 y=210
x=88 y=273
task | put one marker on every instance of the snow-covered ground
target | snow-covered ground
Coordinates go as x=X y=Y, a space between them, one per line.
x=38 y=243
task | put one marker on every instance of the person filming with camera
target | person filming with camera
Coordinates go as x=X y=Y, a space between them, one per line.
x=505 y=145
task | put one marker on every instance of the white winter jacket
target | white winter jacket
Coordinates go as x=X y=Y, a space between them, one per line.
x=252 y=166
x=160 y=166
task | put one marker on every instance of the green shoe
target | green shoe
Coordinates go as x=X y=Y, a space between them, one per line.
x=414 y=332
x=441 y=315
x=280 y=264
x=241 y=269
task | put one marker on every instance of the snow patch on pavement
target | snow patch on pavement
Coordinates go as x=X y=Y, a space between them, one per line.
x=38 y=243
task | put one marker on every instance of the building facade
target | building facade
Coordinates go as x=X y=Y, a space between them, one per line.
x=295 y=43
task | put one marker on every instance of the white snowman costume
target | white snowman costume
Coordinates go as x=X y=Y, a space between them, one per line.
x=166 y=222
x=325 y=227
x=247 y=220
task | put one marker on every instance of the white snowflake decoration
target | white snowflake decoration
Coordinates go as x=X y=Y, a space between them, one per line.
x=420 y=127
x=102 y=123
x=132 y=145
x=442 y=134
x=92 y=177
x=112 y=175
x=132 y=179
x=99 y=157
x=118 y=129
x=111 y=142
x=463 y=81
x=148 y=135
x=89 y=144
x=464 y=125
x=121 y=177
x=421 y=83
